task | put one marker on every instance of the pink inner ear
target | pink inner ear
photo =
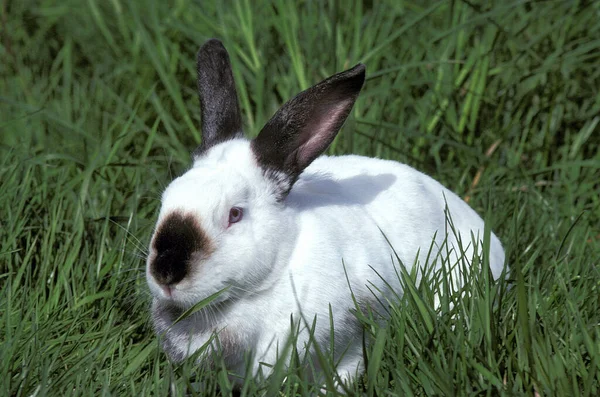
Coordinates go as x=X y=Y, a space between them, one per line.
x=322 y=130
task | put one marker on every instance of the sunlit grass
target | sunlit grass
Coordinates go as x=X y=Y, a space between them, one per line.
x=98 y=111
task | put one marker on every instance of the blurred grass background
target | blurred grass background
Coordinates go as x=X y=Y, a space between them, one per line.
x=498 y=100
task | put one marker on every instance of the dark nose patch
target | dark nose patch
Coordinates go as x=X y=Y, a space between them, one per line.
x=177 y=238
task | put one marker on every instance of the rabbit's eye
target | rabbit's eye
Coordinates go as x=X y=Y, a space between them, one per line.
x=235 y=214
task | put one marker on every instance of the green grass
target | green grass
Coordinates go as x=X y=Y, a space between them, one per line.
x=500 y=101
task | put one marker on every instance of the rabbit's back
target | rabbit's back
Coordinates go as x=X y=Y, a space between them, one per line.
x=410 y=208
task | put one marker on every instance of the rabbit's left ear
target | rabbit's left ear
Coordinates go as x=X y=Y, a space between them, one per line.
x=221 y=116
x=305 y=126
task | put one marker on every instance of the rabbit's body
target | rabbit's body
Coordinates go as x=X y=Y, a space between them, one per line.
x=287 y=236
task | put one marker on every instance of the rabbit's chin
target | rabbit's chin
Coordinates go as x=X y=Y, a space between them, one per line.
x=185 y=300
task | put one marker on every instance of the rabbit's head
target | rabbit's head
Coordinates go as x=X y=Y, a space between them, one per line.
x=224 y=224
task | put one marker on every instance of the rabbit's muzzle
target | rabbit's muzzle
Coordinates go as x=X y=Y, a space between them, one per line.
x=178 y=237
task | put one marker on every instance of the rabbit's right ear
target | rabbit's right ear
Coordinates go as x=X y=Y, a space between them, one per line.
x=221 y=116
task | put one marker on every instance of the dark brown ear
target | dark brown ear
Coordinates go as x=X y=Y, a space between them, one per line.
x=305 y=126
x=221 y=117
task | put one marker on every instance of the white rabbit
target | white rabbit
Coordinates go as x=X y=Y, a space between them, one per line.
x=286 y=233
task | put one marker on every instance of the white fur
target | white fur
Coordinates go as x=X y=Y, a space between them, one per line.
x=288 y=258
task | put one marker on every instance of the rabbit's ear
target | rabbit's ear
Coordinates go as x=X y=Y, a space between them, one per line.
x=221 y=117
x=305 y=126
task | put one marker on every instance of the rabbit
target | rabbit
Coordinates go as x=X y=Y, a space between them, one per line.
x=273 y=231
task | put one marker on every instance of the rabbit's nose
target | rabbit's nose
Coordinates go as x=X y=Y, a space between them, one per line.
x=170 y=266
x=178 y=237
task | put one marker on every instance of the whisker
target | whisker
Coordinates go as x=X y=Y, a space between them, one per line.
x=134 y=240
x=123 y=271
x=134 y=254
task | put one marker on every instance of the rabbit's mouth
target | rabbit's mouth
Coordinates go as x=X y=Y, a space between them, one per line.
x=188 y=299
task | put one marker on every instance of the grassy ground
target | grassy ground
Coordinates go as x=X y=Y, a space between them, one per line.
x=500 y=101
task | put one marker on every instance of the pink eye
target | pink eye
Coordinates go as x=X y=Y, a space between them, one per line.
x=235 y=214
